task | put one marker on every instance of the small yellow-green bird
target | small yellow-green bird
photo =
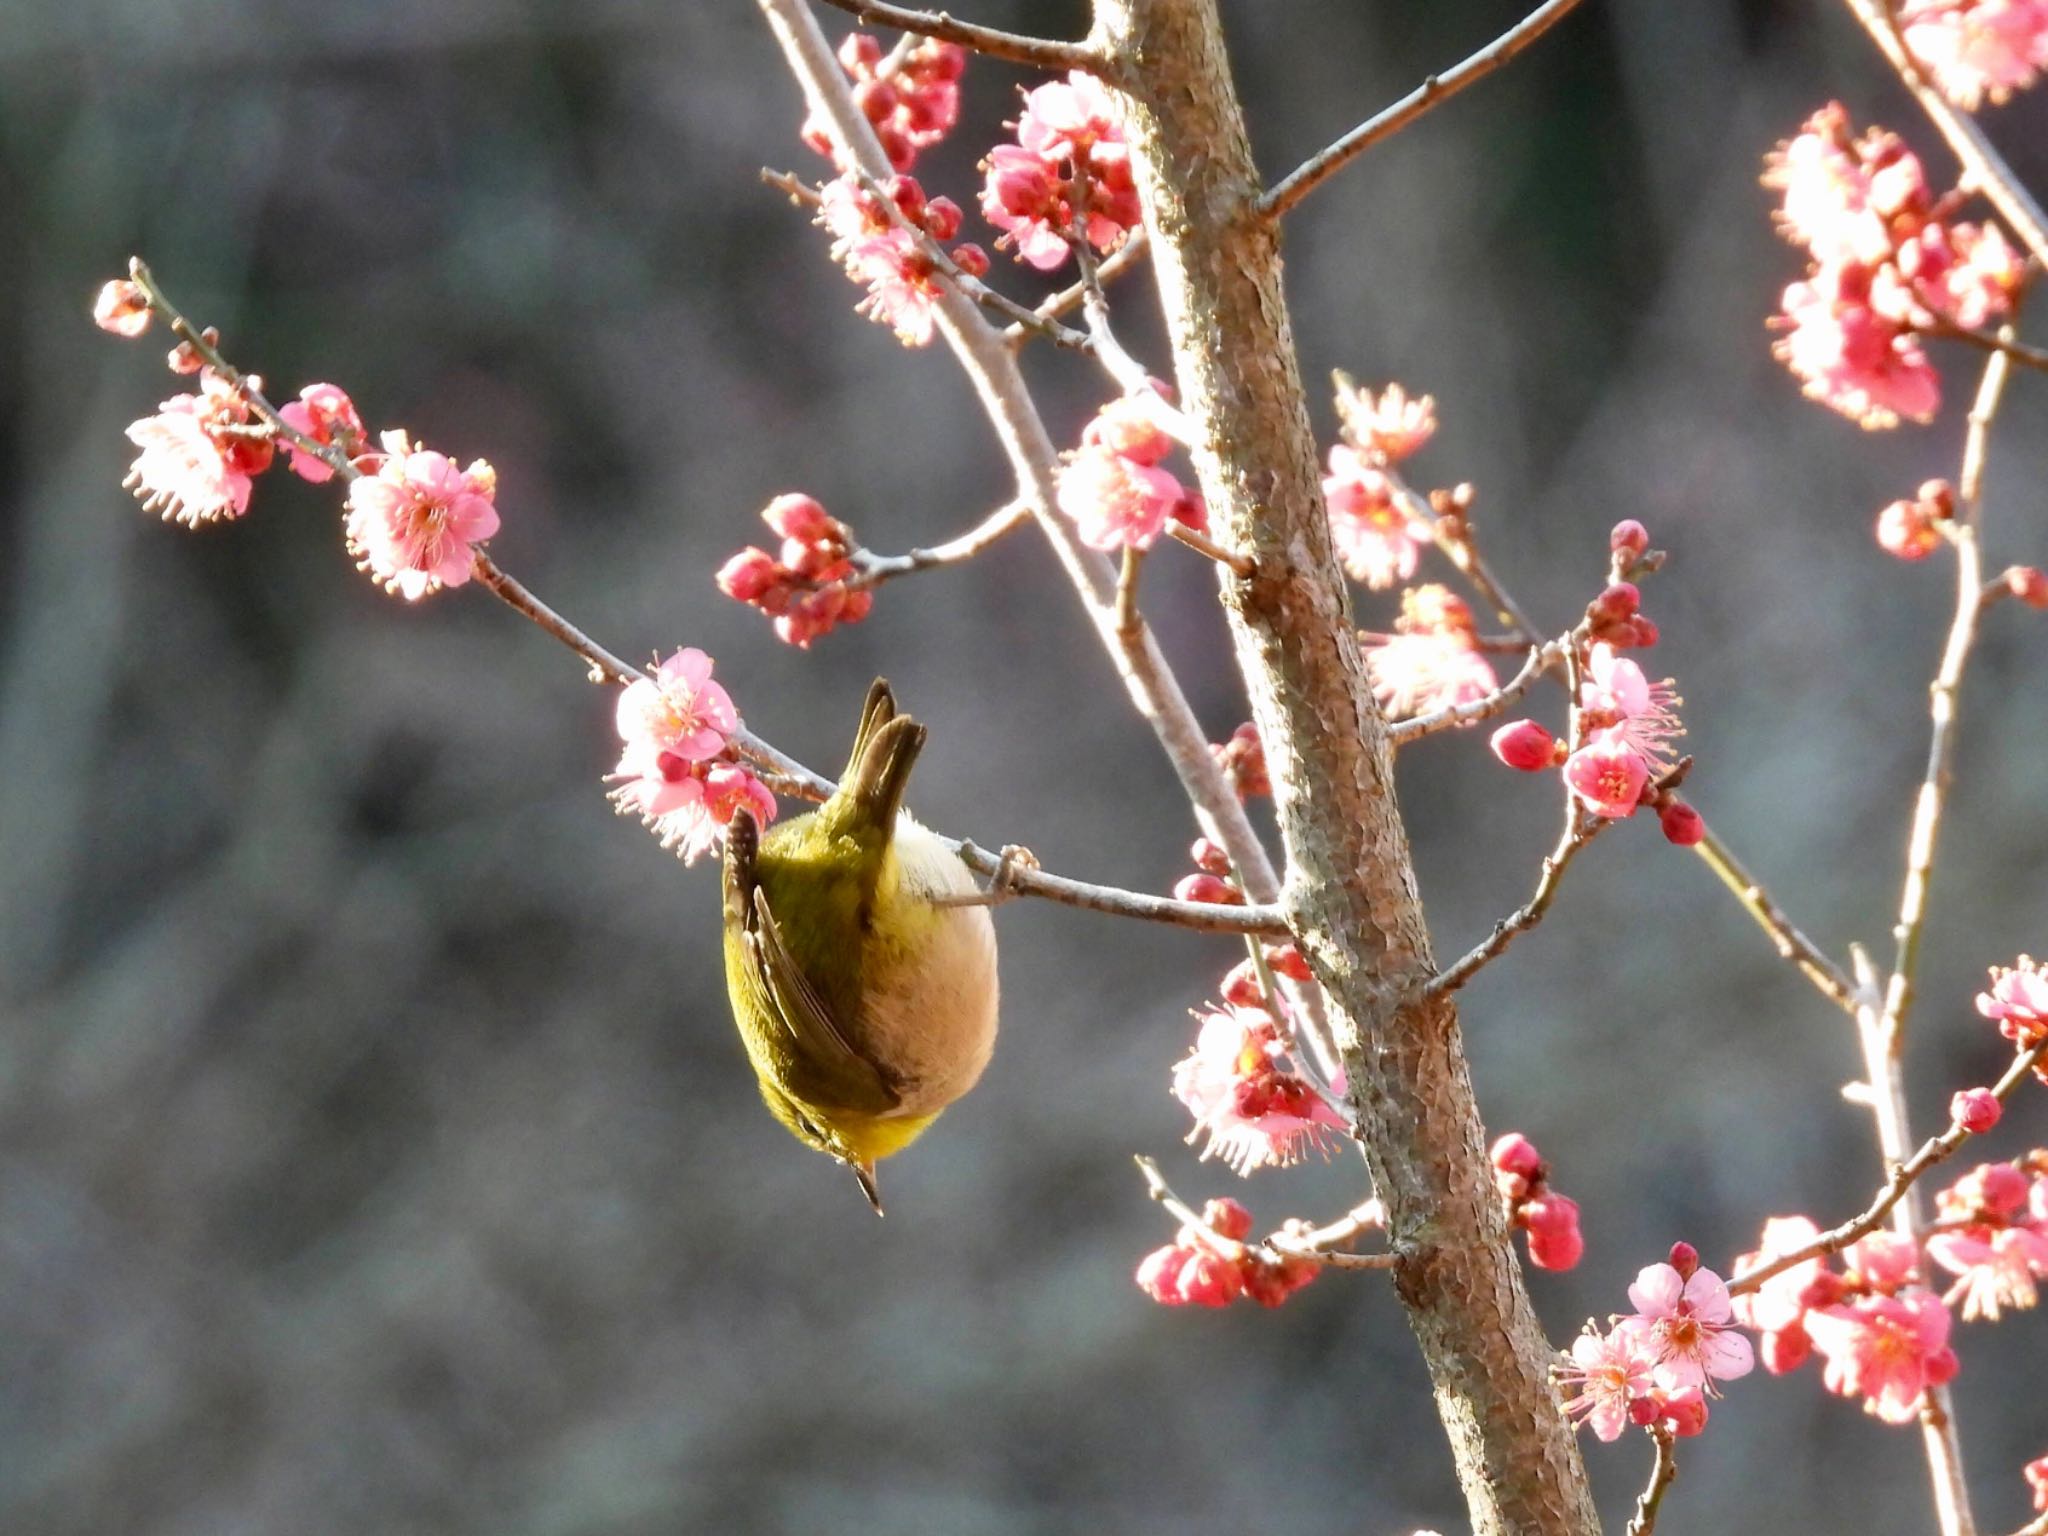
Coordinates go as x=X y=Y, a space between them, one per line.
x=863 y=977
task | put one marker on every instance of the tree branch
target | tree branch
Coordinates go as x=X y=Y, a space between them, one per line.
x=1663 y=1472
x=1351 y=880
x=1070 y=298
x=1984 y=168
x=1454 y=717
x=1283 y=1244
x=1319 y=168
x=1808 y=957
x=1904 y=1175
x=1037 y=52
x=871 y=570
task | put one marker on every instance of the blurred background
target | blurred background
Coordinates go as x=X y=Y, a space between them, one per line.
x=376 y=1153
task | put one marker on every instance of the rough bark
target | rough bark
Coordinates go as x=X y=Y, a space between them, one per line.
x=1351 y=883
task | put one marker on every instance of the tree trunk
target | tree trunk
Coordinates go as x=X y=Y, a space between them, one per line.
x=1351 y=883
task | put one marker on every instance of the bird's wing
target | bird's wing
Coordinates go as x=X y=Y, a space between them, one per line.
x=823 y=1066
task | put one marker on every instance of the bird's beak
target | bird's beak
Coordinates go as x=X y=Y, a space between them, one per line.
x=865 y=1173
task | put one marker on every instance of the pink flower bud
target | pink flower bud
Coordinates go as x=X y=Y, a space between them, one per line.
x=1640 y=633
x=1158 y=1275
x=1629 y=538
x=1619 y=601
x=1938 y=498
x=1242 y=987
x=121 y=308
x=876 y=100
x=796 y=516
x=749 y=574
x=859 y=54
x=1210 y=1280
x=184 y=358
x=971 y=259
x=1516 y=1153
x=1227 y=1218
x=2002 y=1188
x=2026 y=583
x=1525 y=745
x=1976 y=1110
x=1904 y=531
x=1210 y=855
x=901 y=152
x=1287 y=960
x=1785 y=1349
x=1681 y=823
x=942 y=218
x=1685 y=1413
x=1555 y=1241
x=1942 y=1366
x=1207 y=888
x=1685 y=1259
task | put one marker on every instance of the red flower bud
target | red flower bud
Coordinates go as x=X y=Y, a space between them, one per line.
x=1685 y=1259
x=1681 y=823
x=1516 y=1153
x=1525 y=745
x=1207 y=888
x=1629 y=538
x=1976 y=1110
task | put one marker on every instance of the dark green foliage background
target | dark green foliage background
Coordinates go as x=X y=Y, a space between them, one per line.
x=375 y=1154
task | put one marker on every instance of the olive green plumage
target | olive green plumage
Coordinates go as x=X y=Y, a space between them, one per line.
x=865 y=993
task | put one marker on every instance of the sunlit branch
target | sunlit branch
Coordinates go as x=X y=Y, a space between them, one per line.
x=1038 y=52
x=2000 y=341
x=1312 y=173
x=1933 y=1151
x=1069 y=299
x=871 y=570
x=1663 y=1471
x=1811 y=960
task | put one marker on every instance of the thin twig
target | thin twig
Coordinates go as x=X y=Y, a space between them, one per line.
x=871 y=570
x=1663 y=1472
x=1201 y=916
x=1811 y=960
x=1456 y=716
x=1202 y=544
x=792 y=186
x=1278 y=1246
x=1128 y=620
x=1984 y=169
x=1038 y=52
x=1319 y=168
x=1990 y=341
x=1935 y=1150
x=1068 y=299
x=1965 y=534
x=1580 y=829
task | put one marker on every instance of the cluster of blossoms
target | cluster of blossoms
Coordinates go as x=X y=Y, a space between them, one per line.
x=1657 y=1365
x=1250 y=1107
x=2018 y=1003
x=1626 y=724
x=912 y=98
x=805 y=588
x=1882 y=1338
x=1243 y=761
x=1888 y=261
x=414 y=516
x=1377 y=530
x=1211 y=1266
x=1070 y=155
x=1433 y=659
x=1994 y=1237
x=1976 y=49
x=676 y=726
x=1112 y=485
x=903 y=280
x=1551 y=1220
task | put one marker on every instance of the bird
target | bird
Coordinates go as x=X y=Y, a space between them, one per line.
x=860 y=958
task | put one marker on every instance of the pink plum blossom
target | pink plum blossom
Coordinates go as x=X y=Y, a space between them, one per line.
x=327 y=415
x=1976 y=49
x=1116 y=501
x=2017 y=1002
x=1851 y=356
x=1608 y=774
x=1389 y=426
x=1607 y=1372
x=1377 y=537
x=1687 y=1323
x=1779 y=1303
x=1887 y=1350
x=1996 y=1269
x=1616 y=694
x=200 y=454
x=1249 y=1109
x=679 y=713
x=411 y=525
